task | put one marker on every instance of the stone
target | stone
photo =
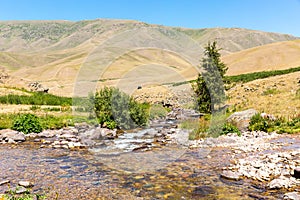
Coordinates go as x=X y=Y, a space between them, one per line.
x=21 y=190
x=281 y=182
x=297 y=173
x=291 y=196
x=8 y=134
x=230 y=175
x=26 y=184
x=4 y=182
x=241 y=119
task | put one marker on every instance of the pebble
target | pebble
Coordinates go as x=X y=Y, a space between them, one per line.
x=4 y=182
x=291 y=196
x=26 y=184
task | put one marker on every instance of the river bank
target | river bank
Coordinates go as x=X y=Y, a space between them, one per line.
x=160 y=162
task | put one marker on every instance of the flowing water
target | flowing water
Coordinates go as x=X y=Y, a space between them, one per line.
x=123 y=170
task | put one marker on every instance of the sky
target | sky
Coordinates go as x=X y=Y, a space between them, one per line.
x=280 y=16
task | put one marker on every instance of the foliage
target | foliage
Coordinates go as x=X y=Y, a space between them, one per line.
x=6 y=120
x=244 y=78
x=229 y=128
x=201 y=129
x=259 y=123
x=158 y=111
x=112 y=105
x=208 y=87
x=27 y=123
x=280 y=125
x=37 y=98
x=12 y=195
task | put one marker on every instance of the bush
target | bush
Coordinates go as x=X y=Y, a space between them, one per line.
x=258 y=123
x=112 y=105
x=229 y=128
x=27 y=123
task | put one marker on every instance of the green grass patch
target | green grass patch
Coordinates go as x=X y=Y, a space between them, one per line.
x=244 y=78
x=157 y=111
x=270 y=92
x=37 y=98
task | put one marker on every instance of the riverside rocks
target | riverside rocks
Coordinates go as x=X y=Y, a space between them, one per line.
x=241 y=119
x=11 y=136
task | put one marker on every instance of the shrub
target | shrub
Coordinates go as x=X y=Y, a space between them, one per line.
x=258 y=123
x=229 y=128
x=27 y=123
x=112 y=105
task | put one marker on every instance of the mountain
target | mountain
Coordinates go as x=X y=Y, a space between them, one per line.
x=53 y=52
x=276 y=56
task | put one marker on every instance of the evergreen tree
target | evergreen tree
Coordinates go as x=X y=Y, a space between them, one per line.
x=209 y=90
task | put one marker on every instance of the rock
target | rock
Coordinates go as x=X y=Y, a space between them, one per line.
x=291 y=196
x=297 y=173
x=281 y=182
x=230 y=175
x=37 y=87
x=18 y=190
x=12 y=135
x=21 y=190
x=26 y=184
x=241 y=119
x=4 y=182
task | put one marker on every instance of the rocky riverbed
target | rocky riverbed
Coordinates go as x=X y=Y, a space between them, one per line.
x=155 y=163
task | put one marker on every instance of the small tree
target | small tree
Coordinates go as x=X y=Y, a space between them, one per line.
x=114 y=108
x=208 y=88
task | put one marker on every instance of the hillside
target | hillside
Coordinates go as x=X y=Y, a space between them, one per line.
x=52 y=52
x=276 y=56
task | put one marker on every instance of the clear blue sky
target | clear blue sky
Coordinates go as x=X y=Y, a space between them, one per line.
x=267 y=15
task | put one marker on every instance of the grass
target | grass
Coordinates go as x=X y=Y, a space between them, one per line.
x=37 y=98
x=48 y=121
x=244 y=78
x=157 y=111
x=270 y=92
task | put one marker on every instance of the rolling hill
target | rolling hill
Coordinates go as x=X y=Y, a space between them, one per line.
x=53 y=52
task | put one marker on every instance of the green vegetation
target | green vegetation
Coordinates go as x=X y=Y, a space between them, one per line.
x=280 y=125
x=158 y=111
x=200 y=131
x=244 y=78
x=229 y=128
x=12 y=195
x=46 y=121
x=270 y=92
x=114 y=108
x=206 y=126
x=27 y=123
x=37 y=98
x=208 y=87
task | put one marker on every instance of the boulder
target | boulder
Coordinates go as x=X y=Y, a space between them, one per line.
x=282 y=182
x=242 y=119
x=291 y=196
x=230 y=175
x=11 y=135
x=297 y=173
x=26 y=184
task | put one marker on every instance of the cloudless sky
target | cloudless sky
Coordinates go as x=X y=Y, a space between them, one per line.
x=267 y=15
